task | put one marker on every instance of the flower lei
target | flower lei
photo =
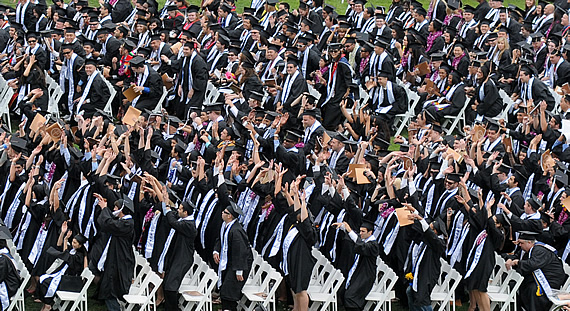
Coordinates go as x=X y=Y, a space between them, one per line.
x=563 y=216
x=431 y=38
x=385 y=210
x=456 y=60
x=404 y=60
x=299 y=145
x=363 y=64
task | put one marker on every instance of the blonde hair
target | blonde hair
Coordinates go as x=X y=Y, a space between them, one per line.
x=506 y=46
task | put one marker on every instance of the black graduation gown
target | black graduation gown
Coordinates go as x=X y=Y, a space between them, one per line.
x=199 y=81
x=118 y=269
x=112 y=50
x=98 y=96
x=429 y=267
x=492 y=104
x=70 y=280
x=150 y=99
x=479 y=221
x=551 y=266
x=160 y=235
x=300 y=261
x=364 y=275
x=180 y=255
x=239 y=258
x=9 y=275
x=53 y=223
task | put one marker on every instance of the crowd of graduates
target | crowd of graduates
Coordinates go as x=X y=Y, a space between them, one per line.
x=292 y=152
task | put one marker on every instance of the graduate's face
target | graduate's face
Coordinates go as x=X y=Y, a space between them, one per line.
x=90 y=69
x=526 y=245
x=364 y=233
x=75 y=244
x=181 y=212
x=226 y=216
x=67 y=53
x=69 y=37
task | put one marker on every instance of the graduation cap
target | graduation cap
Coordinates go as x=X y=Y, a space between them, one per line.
x=329 y=8
x=154 y=155
x=113 y=179
x=192 y=9
x=256 y=95
x=492 y=125
x=439 y=226
x=91 y=61
x=292 y=135
x=503 y=168
x=137 y=62
x=213 y=107
x=380 y=142
x=234 y=209
x=75 y=153
x=340 y=137
x=18 y=144
x=369 y=225
x=99 y=112
x=561 y=177
x=528 y=235
x=292 y=59
x=142 y=21
x=334 y=46
x=381 y=43
x=437 y=56
x=468 y=9
x=125 y=201
x=534 y=202
x=454 y=177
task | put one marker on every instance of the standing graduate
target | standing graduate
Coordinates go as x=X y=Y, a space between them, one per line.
x=9 y=276
x=233 y=256
x=423 y=265
x=298 y=262
x=117 y=261
x=362 y=274
x=175 y=261
x=65 y=273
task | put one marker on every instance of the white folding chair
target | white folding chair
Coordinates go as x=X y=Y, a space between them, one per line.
x=324 y=296
x=146 y=296
x=5 y=95
x=381 y=295
x=451 y=122
x=141 y=271
x=201 y=297
x=212 y=93
x=158 y=107
x=506 y=295
x=17 y=301
x=499 y=274
x=444 y=292
x=402 y=119
x=260 y=289
x=63 y=298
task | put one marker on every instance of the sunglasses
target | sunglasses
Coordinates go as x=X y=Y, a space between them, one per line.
x=65 y=53
x=225 y=212
x=32 y=41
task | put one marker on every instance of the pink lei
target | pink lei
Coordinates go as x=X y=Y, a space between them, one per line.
x=431 y=37
x=404 y=60
x=456 y=61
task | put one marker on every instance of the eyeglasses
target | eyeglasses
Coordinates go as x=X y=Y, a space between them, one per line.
x=231 y=54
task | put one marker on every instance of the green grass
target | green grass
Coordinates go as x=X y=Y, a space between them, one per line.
x=341 y=7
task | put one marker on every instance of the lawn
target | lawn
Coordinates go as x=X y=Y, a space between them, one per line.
x=339 y=4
